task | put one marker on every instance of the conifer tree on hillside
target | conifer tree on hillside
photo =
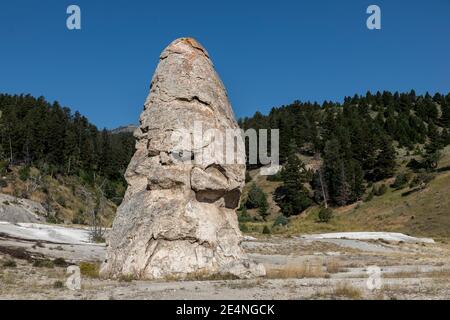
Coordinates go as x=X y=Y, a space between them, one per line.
x=263 y=209
x=343 y=175
x=445 y=120
x=433 y=146
x=336 y=173
x=384 y=166
x=255 y=197
x=292 y=196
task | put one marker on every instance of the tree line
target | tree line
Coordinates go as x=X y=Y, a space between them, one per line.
x=35 y=132
x=355 y=142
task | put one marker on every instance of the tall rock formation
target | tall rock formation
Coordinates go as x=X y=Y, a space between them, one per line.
x=178 y=216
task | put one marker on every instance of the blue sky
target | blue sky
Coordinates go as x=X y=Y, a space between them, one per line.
x=268 y=53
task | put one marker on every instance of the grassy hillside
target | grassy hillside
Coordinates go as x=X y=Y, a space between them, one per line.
x=67 y=199
x=425 y=212
x=60 y=159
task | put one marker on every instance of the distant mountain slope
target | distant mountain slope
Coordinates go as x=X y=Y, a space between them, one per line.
x=124 y=129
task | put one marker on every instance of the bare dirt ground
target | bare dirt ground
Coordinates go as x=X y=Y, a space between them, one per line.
x=297 y=268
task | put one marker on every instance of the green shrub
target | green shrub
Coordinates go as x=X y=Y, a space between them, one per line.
x=60 y=262
x=43 y=263
x=3 y=183
x=380 y=190
x=62 y=201
x=415 y=165
x=243 y=227
x=422 y=179
x=266 y=230
x=126 y=278
x=243 y=216
x=275 y=177
x=4 y=167
x=292 y=201
x=369 y=196
x=255 y=197
x=281 y=221
x=24 y=173
x=248 y=177
x=97 y=234
x=325 y=215
x=90 y=270
x=401 y=180
x=79 y=218
x=52 y=219
x=9 y=264
x=45 y=188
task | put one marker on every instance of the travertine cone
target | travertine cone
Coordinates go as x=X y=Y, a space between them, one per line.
x=178 y=218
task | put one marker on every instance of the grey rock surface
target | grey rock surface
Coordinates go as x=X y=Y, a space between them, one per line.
x=178 y=217
x=16 y=210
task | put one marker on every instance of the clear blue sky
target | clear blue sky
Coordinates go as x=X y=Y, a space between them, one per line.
x=268 y=53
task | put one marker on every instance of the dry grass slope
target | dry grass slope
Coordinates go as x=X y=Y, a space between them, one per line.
x=423 y=213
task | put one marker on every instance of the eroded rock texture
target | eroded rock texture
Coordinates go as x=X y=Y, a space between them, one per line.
x=178 y=216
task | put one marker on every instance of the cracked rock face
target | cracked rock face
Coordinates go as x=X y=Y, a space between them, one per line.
x=178 y=217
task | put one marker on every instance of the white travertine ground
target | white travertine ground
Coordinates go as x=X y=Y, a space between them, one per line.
x=309 y=267
x=45 y=232
x=387 y=236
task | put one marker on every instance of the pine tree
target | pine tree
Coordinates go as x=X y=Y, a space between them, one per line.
x=435 y=142
x=385 y=163
x=263 y=209
x=106 y=158
x=335 y=173
x=356 y=181
x=433 y=147
x=341 y=187
x=255 y=197
x=446 y=115
x=292 y=197
x=445 y=137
